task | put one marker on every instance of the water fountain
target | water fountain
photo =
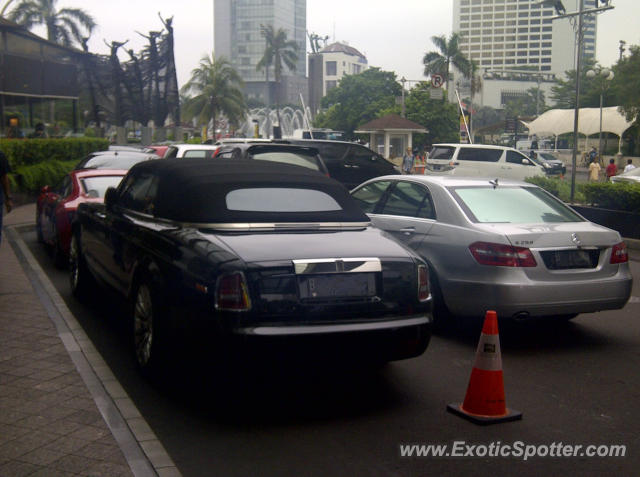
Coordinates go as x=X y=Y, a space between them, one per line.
x=266 y=118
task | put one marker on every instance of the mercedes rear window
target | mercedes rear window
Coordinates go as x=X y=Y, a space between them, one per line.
x=512 y=205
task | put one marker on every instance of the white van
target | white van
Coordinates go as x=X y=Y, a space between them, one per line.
x=481 y=160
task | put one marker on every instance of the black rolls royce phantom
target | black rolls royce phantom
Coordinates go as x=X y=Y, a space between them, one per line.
x=252 y=250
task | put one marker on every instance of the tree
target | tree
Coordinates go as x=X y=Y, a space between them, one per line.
x=564 y=92
x=279 y=52
x=625 y=83
x=440 y=118
x=218 y=90
x=358 y=99
x=63 y=26
x=449 y=54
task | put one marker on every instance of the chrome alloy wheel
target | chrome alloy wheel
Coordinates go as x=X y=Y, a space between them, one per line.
x=143 y=325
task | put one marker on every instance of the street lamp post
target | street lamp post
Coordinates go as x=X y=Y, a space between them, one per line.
x=605 y=75
x=561 y=13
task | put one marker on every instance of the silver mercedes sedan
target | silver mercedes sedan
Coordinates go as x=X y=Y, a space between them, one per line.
x=500 y=245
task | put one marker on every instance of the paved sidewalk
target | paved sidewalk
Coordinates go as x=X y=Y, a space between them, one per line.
x=62 y=412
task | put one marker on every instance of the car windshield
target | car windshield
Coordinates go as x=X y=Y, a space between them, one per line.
x=514 y=205
x=97 y=186
x=296 y=158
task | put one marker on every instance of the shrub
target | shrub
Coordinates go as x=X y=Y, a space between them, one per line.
x=559 y=187
x=22 y=152
x=31 y=178
x=606 y=195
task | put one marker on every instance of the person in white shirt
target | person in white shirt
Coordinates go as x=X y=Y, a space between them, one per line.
x=629 y=166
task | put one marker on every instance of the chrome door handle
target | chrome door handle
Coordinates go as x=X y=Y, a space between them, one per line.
x=408 y=230
x=100 y=215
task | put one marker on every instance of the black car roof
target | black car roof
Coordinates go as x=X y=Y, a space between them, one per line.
x=194 y=190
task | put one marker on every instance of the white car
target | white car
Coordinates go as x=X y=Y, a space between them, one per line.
x=481 y=160
x=633 y=176
x=199 y=151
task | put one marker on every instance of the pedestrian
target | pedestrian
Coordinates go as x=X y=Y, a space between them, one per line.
x=593 y=154
x=611 y=170
x=5 y=196
x=629 y=166
x=407 y=161
x=594 y=171
x=39 y=132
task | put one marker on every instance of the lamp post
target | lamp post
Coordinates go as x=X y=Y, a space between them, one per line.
x=562 y=13
x=604 y=75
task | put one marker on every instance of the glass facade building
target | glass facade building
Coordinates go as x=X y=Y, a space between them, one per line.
x=237 y=26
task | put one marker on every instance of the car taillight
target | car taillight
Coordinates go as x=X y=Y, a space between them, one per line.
x=423 y=283
x=500 y=255
x=232 y=293
x=619 y=253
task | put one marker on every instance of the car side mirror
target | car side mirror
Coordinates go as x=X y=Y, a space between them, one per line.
x=526 y=162
x=110 y=198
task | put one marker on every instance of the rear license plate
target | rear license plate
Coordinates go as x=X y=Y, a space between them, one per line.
x=337 y=285
x=567 y=259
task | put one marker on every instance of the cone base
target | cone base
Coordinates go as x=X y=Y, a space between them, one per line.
x=511 y=415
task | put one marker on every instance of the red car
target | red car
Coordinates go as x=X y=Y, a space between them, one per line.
x=57 y=206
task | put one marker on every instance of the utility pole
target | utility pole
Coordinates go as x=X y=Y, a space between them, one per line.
x=560 y=10
x=621 y=48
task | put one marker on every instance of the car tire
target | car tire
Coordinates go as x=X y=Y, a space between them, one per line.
x=80 y=278
x=148 y=337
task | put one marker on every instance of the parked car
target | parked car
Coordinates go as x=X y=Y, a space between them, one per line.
x=347 y=162
x=242 y=251
x=122 y=160
x=479 y=160
x=632 y=176
x=500 y=245
x=267 y=151
x=56 y=206
x=157 y=149
x=180 y=151
x=551 y=164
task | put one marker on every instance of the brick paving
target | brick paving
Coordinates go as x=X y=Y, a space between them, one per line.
x=51 y=422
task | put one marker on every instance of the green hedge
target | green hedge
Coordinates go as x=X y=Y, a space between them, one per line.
x=30 y=179
x=606 y=195
x=21 y=152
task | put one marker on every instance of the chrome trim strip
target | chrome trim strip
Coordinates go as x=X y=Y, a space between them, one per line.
x=337 y=265
x=251 y=226
x=334 y=328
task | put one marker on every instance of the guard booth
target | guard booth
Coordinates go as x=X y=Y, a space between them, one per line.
x=391 y=135
x=35 y=76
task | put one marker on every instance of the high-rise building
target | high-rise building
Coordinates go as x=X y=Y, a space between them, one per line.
x=520 y=35
x=237 y=36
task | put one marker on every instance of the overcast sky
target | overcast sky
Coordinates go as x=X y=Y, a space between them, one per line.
x=392 y=35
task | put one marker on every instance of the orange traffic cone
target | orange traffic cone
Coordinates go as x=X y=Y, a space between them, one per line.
x=485 y=402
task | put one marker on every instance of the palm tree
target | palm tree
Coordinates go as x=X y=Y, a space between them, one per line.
x=278 y=52
x=63 y=25
x=449 y=54
x=218 y=90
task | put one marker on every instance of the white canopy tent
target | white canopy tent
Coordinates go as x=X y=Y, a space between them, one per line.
x=560 y=121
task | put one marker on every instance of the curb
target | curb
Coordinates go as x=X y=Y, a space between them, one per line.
x=143 y=451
